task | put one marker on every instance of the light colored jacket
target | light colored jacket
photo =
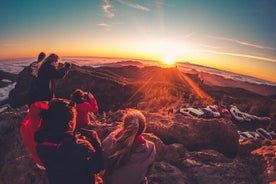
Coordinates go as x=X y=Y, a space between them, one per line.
x=134 y=171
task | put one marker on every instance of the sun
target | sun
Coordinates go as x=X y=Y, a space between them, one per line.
x=168 y=60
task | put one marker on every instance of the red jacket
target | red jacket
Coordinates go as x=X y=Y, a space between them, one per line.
x=83 y=111
x=30 y=125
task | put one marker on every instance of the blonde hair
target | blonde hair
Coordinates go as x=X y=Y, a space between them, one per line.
x=36 y=65
x=134 y=123
x=36 y=68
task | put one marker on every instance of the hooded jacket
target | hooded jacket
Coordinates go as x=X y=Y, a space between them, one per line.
x=71 y=160
x=134 y=171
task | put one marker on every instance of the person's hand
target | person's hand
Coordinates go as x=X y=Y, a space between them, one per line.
x=90 y=95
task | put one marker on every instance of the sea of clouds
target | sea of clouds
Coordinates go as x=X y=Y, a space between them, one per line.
x=225 y=74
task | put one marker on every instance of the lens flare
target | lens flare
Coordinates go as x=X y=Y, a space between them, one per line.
x=168 y=60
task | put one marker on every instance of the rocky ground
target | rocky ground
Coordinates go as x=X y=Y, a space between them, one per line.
x=189 y=150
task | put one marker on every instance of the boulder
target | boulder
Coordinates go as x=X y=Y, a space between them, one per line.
x=19 y=96
x=268 y=153
x=209 y=166
x=9 y=77
x=196 y=134
x=163 y=173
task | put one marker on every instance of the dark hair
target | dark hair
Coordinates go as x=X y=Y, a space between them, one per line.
x=51 y=58
x=78 y=96
x=60 y=116
x=41 y=56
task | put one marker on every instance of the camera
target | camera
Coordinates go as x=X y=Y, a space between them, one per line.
x=85 y=94
x=85 y=132
x=86 y=97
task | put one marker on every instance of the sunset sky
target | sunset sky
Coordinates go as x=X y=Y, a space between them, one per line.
x=236 y=35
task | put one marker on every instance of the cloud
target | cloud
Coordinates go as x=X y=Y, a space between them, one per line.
x=243 y=43
x=159 y=3
x=241 y=55
x=132 y=5
x=208 y=46
x=104 y=25
x=108 y=9
x=189 y=35
x=9 y=44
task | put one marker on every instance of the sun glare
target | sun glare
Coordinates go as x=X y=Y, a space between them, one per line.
x=168 y=60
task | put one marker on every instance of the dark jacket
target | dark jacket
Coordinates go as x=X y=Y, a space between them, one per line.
x=44 y=82
x=70 y=161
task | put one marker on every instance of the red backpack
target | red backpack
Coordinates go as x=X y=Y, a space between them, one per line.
x=30 y=125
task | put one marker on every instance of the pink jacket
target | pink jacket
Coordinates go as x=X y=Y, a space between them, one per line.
x=83 y=111
x=134 y=171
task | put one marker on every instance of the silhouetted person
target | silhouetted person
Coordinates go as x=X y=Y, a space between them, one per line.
x=34 y=66
x=85 y=103
x=129 y=155
x=48 y=71
x=67 y=158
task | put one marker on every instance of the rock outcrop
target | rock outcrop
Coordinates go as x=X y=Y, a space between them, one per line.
x=196 y=134
x=7 y=76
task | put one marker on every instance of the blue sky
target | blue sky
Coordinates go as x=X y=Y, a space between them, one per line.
x=237 y=35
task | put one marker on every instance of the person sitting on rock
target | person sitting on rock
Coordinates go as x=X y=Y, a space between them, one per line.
x=127 y=153
x=48 y=71
x=85 y=103
x=68 y=158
